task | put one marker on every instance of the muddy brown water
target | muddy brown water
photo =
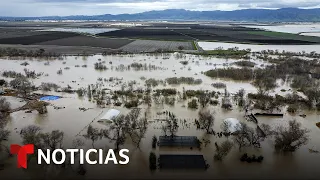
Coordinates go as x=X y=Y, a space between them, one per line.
x=297 y=165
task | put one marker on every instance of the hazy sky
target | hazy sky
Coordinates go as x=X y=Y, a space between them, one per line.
x=93 y=7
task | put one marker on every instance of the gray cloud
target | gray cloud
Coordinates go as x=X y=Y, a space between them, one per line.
x=93 y=7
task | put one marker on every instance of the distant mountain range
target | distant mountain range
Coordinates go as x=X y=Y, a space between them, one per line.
x=251 y=15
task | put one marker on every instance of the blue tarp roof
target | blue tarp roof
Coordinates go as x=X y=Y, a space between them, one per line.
x=49 y=98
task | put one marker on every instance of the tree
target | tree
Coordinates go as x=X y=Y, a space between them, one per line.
x=240 y=97
x=31 y=135
x=4 y=135
x=4 y=106
x=290 y=138
x=225 y=127
x=172 y=124
x=223 y=150
x=247 y=136
x=116 y=131
x=3 y=82
x=164 y=129
x=22 y=84
x=204 y=99
x=206 y=119
x=265 y=82
x=136 y=127
x=93 y=134
x=52 y=140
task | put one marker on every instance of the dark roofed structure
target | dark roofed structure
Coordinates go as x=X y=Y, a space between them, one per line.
x=181 y=141
x=182 y=162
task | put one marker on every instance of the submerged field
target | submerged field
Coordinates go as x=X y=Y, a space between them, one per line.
x=120 y=81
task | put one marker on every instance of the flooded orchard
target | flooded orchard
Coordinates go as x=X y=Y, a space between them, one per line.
x=136 y=73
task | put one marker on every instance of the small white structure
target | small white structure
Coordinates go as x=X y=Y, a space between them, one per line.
x=232 y=122
x=110 y=115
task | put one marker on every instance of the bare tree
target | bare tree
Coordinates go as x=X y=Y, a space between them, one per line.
x=225 y=127
x=136 y=127
x=116 y=131
x=247 y=136
x=264 y=82
x=93 y=134
x=22 y=84
x=206 y=119
x=31 y=135
x=52 y=140
x=290 y=138
x=223 y=150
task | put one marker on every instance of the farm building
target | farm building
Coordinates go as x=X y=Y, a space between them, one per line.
x=232 y=124
x=182 y=162
x=178 y=141
x=110 y=115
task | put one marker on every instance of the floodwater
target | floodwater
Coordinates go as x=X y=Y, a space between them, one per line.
x=92 y=31
x=291 y=28
x=257 y=48
x=73 y=122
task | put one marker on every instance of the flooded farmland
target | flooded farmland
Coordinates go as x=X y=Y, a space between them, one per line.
x=131 y=71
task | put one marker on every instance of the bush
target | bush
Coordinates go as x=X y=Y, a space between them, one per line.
x=193 y=104
x=152 y=161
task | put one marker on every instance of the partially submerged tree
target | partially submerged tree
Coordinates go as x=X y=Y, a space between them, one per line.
x=52 y=140
x=136 y=127
x=265 y=82
x=4 y=135
x=172 y=124
x=223 y=150
x=22 y=84
x=4 y=106
x=290 y=138
x=206 y=119
x=247 y=136
x=204 y=99
x=93 y=134
x=116 y=131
